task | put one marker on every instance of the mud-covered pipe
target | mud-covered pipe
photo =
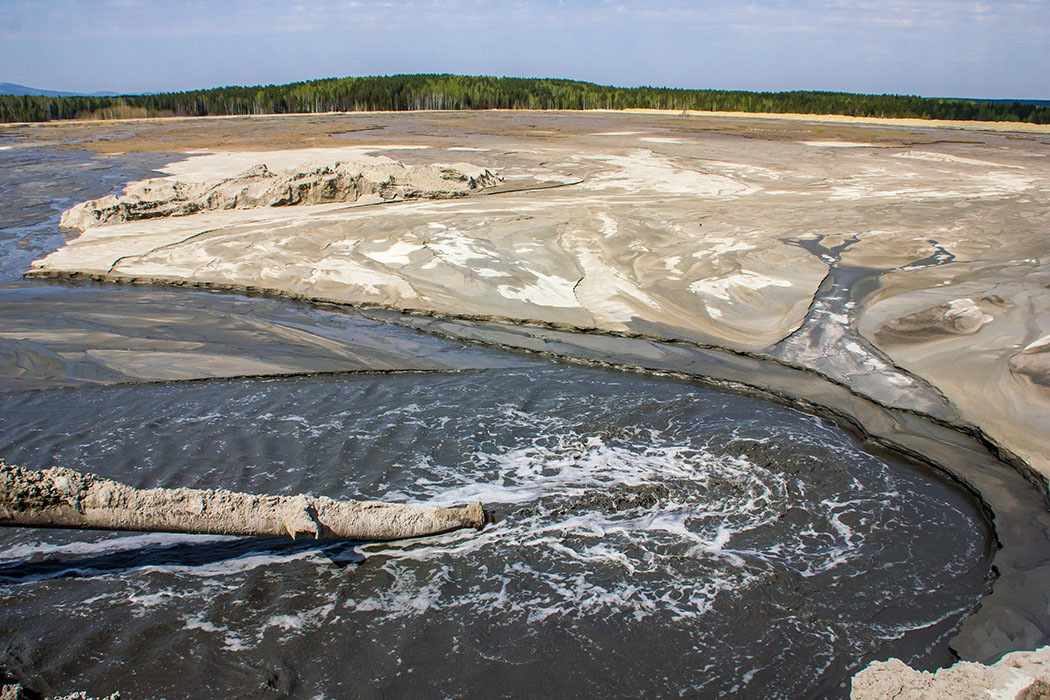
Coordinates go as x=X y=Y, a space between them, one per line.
x=63 y=498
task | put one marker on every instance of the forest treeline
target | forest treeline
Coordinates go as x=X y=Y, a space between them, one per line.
x=415 y=92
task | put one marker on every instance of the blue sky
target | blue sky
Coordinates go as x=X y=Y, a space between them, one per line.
x=927 y=47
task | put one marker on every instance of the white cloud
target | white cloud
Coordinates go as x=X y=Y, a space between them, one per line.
x=924 y=46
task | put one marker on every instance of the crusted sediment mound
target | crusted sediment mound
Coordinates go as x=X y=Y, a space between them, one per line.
x=1022 y=675
x=957 y=317
x=1033 y=363
x=260 y=187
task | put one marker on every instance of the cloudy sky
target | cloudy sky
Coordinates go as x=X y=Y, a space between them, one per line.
x=996 y=48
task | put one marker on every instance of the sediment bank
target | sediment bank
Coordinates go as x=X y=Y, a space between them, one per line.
x=1012 y=616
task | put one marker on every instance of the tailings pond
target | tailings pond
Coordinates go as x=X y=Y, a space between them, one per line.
x=656 y=537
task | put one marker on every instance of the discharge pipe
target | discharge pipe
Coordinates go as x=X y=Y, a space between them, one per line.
x=63 y=498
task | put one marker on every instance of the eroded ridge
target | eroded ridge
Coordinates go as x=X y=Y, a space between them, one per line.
x=258 y=186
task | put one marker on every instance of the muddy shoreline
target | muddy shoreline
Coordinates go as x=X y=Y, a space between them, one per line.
x=405 y=317
x=1011 y=617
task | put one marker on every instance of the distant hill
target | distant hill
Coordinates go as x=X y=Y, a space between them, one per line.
x=465 y=92
x=16 y=89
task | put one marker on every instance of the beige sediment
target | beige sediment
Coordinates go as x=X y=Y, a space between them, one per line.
x=255 y=289
x=955 y=317
x=520 y=254
x=1033 y=363
x=1019 y=127
x=406 y=314
x=1022 y=675
x=63 y=498
x=985 y=359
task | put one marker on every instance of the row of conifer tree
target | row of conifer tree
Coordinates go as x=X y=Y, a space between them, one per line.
x=416 y=92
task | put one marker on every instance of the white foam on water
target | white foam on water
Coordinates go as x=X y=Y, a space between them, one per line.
x=292 y=625
x=151 y=600
x=232 y=642
x=234 y=566
x=559 y=464
x=572 y=549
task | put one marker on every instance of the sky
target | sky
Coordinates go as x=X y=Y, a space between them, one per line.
x=992 y=49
